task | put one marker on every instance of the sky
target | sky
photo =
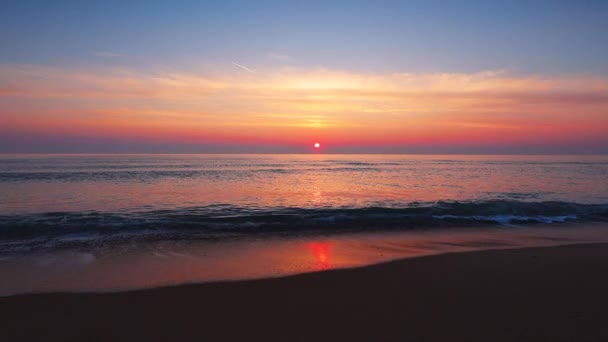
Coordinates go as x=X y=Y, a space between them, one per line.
x=278 y=76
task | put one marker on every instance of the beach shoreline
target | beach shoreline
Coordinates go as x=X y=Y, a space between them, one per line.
x=526 y=294
x=144 y=265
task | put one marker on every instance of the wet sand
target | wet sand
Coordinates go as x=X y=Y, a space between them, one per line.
x=532 y=294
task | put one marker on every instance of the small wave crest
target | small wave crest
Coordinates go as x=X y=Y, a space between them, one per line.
x=66 y=229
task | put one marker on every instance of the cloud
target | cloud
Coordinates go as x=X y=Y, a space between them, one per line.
x=242 y=67
x=279 y=57
x=289 y=105
x=107 y=54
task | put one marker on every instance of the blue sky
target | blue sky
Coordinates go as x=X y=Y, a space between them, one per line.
x=414 y=36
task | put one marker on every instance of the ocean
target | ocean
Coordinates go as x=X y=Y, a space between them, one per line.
x=58 y=212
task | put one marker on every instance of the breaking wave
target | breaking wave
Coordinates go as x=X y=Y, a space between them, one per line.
x=26 y=232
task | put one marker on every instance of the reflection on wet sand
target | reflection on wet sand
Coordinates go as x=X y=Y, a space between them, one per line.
x=163 y=263
x=321 y=251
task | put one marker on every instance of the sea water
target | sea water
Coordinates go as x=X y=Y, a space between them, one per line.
x=243 y=216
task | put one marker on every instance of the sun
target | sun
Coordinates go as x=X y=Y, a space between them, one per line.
x=317 y=145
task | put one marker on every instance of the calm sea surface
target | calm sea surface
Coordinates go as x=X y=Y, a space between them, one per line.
x=107 y=183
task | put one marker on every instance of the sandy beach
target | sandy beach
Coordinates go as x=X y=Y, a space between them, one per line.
x=531 y=294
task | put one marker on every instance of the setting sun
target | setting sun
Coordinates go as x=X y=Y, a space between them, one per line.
x=317 y=145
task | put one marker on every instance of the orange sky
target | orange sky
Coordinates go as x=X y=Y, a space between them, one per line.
x=295 y=106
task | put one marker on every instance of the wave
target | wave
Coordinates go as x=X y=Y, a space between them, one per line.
x=128 y=175
x=24 y=232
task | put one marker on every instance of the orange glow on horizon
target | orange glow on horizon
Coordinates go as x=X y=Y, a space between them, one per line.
x=287 y=107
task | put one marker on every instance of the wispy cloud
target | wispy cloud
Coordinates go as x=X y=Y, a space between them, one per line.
x=242 y=67
x=107 y=54
x=279 y=57
x=285 y=104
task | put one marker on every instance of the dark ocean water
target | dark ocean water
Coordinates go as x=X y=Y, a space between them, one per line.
x=56 y=201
